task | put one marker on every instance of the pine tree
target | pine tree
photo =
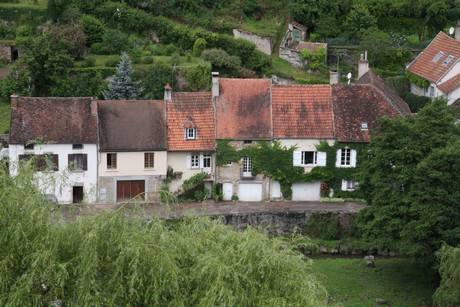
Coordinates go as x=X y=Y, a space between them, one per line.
x=123 y=87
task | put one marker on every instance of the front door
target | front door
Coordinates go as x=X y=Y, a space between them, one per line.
x=128 y=189
x=77 y=194
x=207 y=164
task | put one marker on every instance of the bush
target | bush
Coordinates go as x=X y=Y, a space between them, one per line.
x=147 y=60
x=112 y=62
x=89 y=62
x=170 y=50
x=222 y=61
x=98 y=48
x=198 y=47
x=115 y=41
x=94 y=29
x=416 y=102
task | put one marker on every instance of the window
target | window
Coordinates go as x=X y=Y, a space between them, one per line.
x=346 y=157
x=111 y=161
x=207 y=164
x=309 y=157
x=364 y=126
x=447 y=60
x=29 y=146
x=247 y=142
x=349 y=185
x=230 y=163
x=431 y=92
x=438 y=56
x=247 y=167
x=78 y=162
x=149 y=159
x=190 y=133
x=47 y=162
x=77 y=146
x=195 y=161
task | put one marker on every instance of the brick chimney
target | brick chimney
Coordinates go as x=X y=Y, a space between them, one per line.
x=94 y=105
x=215 y=84
x=457 y=31
x=14 y=101
x=168 y=93
x=363 y=65
x=333 y=77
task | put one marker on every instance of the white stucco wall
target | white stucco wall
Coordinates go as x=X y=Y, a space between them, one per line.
x=60 y=183
x=453 y=96
x=453 y=71
x=132 y=164
x=417 y=90
x=304 y=145
x=178 y=161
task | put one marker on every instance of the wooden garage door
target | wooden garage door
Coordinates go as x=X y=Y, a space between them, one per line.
x=128 y=189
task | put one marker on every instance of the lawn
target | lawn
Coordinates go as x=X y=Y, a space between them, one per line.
x=4 y=117
x=400 y=281
x=25 y=4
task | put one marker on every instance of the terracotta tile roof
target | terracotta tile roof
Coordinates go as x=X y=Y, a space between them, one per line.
x=132 y=125
x=310 y=46
x=450 y=85
x=195 y=109
x=357 y=104
x=391 y=96
x=302 y=111
x=58 y=120
x=243 y=109
x=424 y=65
x=298 y=25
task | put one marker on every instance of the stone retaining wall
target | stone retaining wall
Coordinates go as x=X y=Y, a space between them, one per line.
x=263 y=44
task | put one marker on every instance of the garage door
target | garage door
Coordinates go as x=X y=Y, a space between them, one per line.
x=128 y=189
x=250 y=191
x=306 y=191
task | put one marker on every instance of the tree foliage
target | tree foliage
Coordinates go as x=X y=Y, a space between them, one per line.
x=448 y=292
x=410 y=178
x=155 y=79
x=123 y=87
x=121 y=258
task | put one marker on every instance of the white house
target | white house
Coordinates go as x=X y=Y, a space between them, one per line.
x=60 y=135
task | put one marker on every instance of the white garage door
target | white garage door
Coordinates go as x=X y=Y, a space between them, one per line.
x=250 y=191
x=306 y=191
x=276 y=190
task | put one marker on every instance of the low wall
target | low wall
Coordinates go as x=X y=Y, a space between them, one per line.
x=263 y=44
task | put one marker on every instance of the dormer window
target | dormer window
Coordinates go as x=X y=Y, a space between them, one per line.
x=447 y=60
x=364 y=126
x=190 y=133
x=438 y=56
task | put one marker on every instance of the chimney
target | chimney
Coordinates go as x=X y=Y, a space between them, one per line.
x=457 y=31
x=215 y=84
x=333 y=77
x=14 y=101
x=168 y=92
x=363 y=65
x=94 y=105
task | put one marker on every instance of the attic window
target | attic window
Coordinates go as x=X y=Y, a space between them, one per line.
x=190 y=133
x=447 y=60
x=438 y=56
x=247 y=142
x=364 y=126
x=29 y=146
x=77 y=146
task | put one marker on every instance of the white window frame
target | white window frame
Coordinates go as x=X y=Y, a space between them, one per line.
x=190 y=133
x=438 y=56
x=194 y=161
x=349 y=185
x=247 y=167
x=342 y=160
x=447 y=60
x=299 y=157
x=304 y=157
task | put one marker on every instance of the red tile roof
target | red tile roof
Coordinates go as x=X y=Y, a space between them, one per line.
x=313 y=47
x=132 y=125
x=196 y=108
x=302 y=111
x=357 y=104
x=450 y=85
x=243 y=109
x=57 y=120
x=390 y=95
x=424 y=65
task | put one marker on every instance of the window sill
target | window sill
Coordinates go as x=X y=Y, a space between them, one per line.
x=112 y=170
x=346 y=166
x=77 y=171
x=150 y=169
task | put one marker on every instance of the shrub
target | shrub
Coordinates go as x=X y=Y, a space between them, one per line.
x=115 y=41
x=94 y=29
x=112 y=62
x=415 y=102
x=198 y=47
x=89 y=62
x=170 y=50
x=222 y=61
x=98 y=48
x=147 y=60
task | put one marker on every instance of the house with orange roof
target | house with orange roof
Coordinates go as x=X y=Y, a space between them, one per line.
x=243 y=117
x=132 y=150
x=191 y=135
x=436 y=71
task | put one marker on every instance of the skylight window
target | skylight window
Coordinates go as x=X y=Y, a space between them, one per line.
x=438 y=56
x=447 y=60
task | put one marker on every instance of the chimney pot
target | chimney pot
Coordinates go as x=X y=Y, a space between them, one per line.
x=168 y=92
x=93 y=105
x=457 y=31
x=215 y=84
x=14 y=101
x=363 y=65
x=333 y=77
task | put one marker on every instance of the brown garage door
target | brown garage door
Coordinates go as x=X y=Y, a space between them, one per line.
x=129 y=189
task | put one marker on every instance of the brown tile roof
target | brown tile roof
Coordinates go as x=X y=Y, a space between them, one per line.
x=310 y=46
x=57 y=120
x=357 y=104
x=450 y=85
x=298 y=25
x=243 y=109
x=197 y=110
x=424 y=65
x=132 y=125
x=391 y=96
x=302 y=111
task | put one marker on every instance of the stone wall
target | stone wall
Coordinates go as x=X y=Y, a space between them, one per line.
x=291 y=56
x=263 y=44
x=6 y=52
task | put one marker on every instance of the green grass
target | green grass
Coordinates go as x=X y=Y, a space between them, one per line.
x=282 y=68
x=400 y=281
x=102 y=59
x=4 y=117
x=25 y=4
x=264 y=27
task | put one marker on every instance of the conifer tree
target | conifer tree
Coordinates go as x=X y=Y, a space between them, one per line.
x=123 y=87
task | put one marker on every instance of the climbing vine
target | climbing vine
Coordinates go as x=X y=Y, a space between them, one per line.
x=419 y=81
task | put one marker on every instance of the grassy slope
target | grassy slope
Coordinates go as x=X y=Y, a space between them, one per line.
x=4 y=117
x=400 y=281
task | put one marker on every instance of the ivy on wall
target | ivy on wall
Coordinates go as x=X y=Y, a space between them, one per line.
x=417 y=80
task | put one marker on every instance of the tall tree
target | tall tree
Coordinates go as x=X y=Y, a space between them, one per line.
x=411 y=182
x=123 y=86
